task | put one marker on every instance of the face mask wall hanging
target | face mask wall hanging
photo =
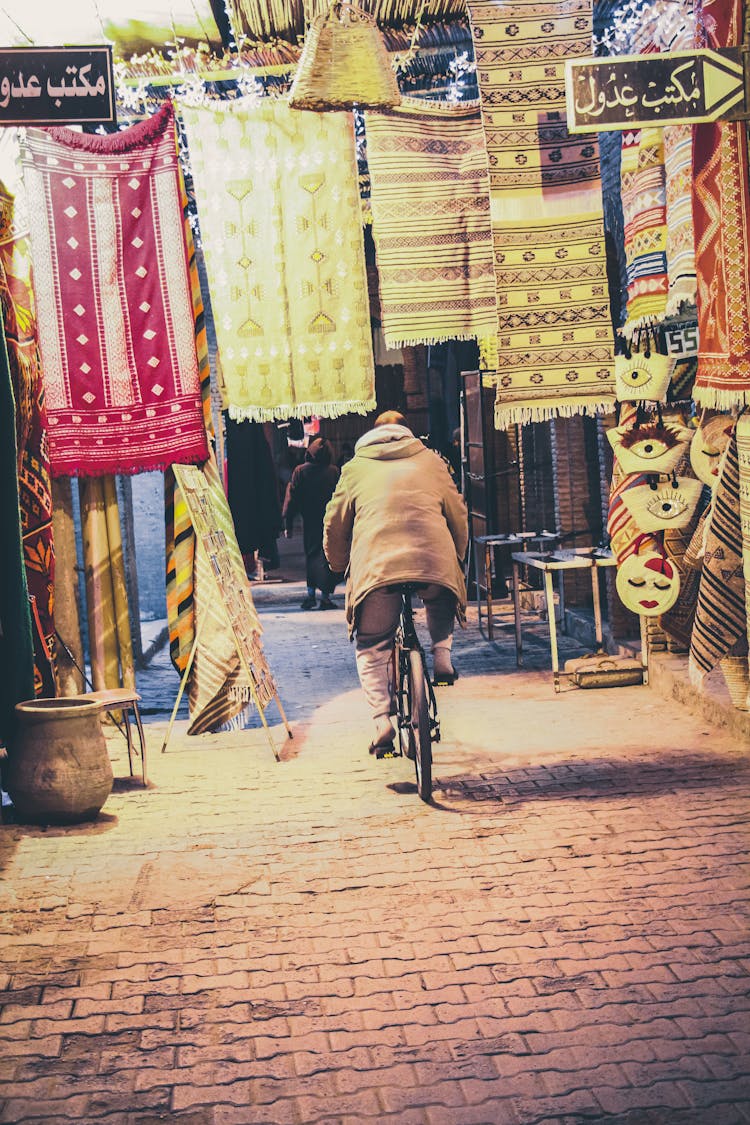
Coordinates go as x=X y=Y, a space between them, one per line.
x=653 y=448
x=641 y=372
x=656 y=505
x=708 y=444
x=648 y=584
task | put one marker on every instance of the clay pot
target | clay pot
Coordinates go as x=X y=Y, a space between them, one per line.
x=58 y=769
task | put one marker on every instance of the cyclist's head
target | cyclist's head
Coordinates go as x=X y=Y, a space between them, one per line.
x=391 y=418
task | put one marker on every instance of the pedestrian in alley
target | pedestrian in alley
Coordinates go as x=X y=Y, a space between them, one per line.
x=308 y=492
x=396 y=516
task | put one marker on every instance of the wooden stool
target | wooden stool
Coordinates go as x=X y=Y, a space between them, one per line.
x=125 y=700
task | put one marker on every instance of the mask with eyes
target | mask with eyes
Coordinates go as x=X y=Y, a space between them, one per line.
x=652 y=448
x=656 y=505
x=708 y=444
x=642 y=377
x=648 y=584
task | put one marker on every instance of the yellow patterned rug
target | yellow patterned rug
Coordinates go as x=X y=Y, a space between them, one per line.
x=430 y=202
x=555 y=342
x=281 y=225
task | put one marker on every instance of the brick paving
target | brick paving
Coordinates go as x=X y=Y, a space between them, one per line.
x=563 y=937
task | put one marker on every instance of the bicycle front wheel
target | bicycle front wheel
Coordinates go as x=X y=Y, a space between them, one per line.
x=420 y=724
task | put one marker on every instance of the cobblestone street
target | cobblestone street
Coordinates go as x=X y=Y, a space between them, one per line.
x=563 y=937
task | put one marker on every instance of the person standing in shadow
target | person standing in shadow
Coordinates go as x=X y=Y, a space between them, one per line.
x=311 y=486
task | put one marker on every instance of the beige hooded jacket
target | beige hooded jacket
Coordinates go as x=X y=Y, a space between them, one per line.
x=396 y=516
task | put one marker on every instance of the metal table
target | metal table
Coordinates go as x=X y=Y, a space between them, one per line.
x=489 y=542
x=549 y=563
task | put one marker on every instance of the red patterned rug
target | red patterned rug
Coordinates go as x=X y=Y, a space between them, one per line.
x=114 y=308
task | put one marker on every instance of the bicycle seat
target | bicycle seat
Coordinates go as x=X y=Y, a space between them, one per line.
x=407 y=587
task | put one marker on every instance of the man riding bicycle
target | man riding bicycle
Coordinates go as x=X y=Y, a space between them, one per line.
x=396 y=516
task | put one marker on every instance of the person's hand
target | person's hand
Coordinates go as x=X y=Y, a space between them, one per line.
x=287 y=533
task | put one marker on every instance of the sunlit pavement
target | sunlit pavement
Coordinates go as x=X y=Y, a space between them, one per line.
x=562 y=937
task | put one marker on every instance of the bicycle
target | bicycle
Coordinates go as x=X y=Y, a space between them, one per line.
x=416 y=707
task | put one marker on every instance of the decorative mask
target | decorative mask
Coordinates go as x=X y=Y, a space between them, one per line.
x=642 y=377
x=648 y=584
x=652 y=448
x=707 y=446
x=665 y=504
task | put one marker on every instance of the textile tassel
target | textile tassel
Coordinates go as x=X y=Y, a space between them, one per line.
x=105 y=672
x=119 y=584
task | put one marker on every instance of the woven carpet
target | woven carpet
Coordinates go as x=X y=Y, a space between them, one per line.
x=721 y=214
x=678 y=166
x=555 y=346
x=644 y=205
x=216 y=669
x=743 y=459
x=16 y=648
x=180 y=539
x=34 y=480
x=720 y=618
x=430 y=200
x=113 y=299
x=281 y=226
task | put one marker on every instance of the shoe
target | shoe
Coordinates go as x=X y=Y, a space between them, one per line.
x=444 y=679
x=443 y=672
x=383 y=748
x=326 y=603
x=307 y=603
x=382 y=745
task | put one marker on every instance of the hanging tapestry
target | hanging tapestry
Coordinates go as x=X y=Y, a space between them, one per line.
x=678 y=167
x=720 y=618
x=281 y=227
x=430 y=201
x=216 y=669
x=253 y=490
x=16 y=648
x=624 y=534
x=180 y=539
x=721 y=214
x=34 y=481
x=555 y=338
x=677 y=622
x=644 y=205
x=743 y=459
x=114 y=313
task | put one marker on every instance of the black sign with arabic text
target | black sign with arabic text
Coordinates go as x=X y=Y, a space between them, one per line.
x=56 y=86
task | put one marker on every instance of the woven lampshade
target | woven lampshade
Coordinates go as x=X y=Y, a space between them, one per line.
x=344 y=64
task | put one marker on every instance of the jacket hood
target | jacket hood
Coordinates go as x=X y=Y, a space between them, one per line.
x=388 y=442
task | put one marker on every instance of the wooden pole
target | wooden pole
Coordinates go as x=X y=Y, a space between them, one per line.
x=70 y=679
x=119 y=585
x=100 y=610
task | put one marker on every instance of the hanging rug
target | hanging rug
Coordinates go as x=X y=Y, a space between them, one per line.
x=114 y=308
x=555 y=339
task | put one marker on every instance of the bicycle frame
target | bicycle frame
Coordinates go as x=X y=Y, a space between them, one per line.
x=407 y=641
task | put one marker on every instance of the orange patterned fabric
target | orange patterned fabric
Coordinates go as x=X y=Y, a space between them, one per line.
x=34 y=480
x=721 y=214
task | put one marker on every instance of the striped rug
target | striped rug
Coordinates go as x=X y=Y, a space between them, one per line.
x=720 y=618
x=430 y=200
x=555 y=340
x=644 y=205
x=180 y=541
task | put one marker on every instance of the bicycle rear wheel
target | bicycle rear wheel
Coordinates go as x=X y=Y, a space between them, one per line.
x=420 y=725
